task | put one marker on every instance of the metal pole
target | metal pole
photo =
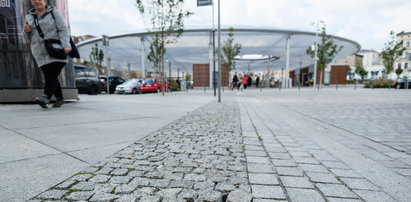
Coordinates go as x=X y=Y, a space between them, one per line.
x=315 y=57
x=214 y=72
x=108 y=75
x=129 y=72
x=287 y=66
x=219 y=54
x=143 y=67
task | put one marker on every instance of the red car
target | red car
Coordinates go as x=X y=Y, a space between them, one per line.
x=152 y=85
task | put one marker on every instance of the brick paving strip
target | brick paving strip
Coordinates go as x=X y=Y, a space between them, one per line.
x=199 y=157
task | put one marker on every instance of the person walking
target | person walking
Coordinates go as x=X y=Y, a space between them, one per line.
x=250 y=81
x=245 y=81
x=45 y=22
x=257 y=82
x=234 y=81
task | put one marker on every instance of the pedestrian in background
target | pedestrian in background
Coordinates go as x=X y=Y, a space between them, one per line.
x=234 y=81
x=245 y=81
x=52 y=25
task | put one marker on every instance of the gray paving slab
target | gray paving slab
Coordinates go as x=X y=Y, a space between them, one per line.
x=54 y=144
x=304 y=195
x=24 y=179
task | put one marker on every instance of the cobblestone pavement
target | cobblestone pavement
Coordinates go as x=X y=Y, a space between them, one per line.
x=329 y=146
x=200 y=157
x=289 y=146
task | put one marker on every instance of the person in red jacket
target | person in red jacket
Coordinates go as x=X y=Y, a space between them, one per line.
x=245 y=81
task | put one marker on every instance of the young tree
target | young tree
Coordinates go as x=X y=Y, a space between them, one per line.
x=327 y=49
x=167 y=22
x=97 y=57
x=393 y=49
x=230 y=50
x=360 y=71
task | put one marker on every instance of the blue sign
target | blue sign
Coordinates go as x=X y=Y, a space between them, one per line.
x=204 y=2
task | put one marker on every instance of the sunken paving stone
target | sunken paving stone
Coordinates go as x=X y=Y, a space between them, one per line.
x=199 y=157
x=298 y=182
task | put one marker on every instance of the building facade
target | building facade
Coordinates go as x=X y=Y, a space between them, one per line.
x=404 y=61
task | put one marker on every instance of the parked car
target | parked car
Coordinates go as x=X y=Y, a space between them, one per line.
x=403 y=83
x=114 y=81
x=152 y=85
x=87 y=80
x=132 y=86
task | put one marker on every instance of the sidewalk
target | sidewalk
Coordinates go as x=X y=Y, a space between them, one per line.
x=330 y=145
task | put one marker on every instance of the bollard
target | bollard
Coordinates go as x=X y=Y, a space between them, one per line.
x=355 y=85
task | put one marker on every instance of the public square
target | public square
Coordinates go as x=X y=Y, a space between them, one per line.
x=260 y=145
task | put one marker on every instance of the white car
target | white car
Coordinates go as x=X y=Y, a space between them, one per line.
x=132 y=86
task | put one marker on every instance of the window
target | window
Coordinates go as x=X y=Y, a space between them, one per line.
x=399 y=65
x=406 y=65
x=408 y=44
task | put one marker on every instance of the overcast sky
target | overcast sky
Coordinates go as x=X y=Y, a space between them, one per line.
x=367 y=22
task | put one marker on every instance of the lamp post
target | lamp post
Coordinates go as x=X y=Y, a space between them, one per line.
x=316 y=51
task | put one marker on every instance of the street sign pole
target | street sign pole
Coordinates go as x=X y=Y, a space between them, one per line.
x=219 y=54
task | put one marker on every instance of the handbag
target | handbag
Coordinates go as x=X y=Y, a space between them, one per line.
x=53 y=46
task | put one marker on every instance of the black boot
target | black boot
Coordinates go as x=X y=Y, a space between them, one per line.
x=58 y=103
x=43 y=101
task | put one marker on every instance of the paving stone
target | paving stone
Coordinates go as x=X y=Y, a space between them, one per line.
x=304 y=195
x=224 y=187
x=298 y=182
x=259 y=168
x=66 y=184
x=306 y=160
x=323 y=178
x=84 y=186
x=331 y=199
x=195 y=177
x=51 y=194
x=81 y=177
x=100 y=197
x=150 y=199
x=355 y=183
x=120 y=179
x=129 y=197
x=334 y=164
x=119 y=172
x=313 y=168
x=125 y=189
x=204 y=185
x=284 y=156
x=210 y=196
x=267 y=200
x=290 y=171
x=188 y=194
x=100 y=178
x=263 y=191
x=255 y=153
x=239 y=196
x=266 y=179
x=285 y=163
x=159 y=183
x=336 y=190
x=80 y=196
x=255 y=159
x=147 y=190
x=374 y=196
x=345 y=173
x=169 y=193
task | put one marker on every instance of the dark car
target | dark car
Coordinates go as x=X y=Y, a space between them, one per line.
x=114 y=82
x=87 y=80
x=403 y=83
